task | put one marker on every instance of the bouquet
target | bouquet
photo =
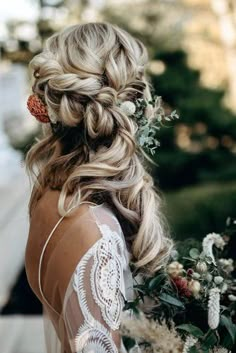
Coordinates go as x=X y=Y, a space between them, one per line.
x=190 y=306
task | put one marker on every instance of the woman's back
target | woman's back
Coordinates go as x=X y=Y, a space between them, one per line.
x=84 y=276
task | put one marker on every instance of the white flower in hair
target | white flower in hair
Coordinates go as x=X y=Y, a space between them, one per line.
x=128 y=107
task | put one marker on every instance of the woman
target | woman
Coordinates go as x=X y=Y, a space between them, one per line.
x=94 y=207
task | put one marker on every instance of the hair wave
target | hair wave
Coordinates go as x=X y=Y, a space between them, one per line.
x=92 y=152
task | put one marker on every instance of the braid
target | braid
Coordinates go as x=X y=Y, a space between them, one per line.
x=84 y=71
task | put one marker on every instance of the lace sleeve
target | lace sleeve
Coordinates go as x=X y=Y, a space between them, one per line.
x=94 y=298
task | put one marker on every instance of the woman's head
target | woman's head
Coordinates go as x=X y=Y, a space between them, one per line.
x=85 y=69
x=82 y=74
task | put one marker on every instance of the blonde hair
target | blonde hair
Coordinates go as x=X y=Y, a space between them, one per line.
x=83 y=71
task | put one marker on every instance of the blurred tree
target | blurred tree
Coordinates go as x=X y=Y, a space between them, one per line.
x=201 y=148
x=205 y=29
x=202 y=144
x=196 y=211
x=159 y=24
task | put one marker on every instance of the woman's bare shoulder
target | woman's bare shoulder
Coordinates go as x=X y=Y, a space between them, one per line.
x=47 y=207
x=45 y=217
x=70 y=239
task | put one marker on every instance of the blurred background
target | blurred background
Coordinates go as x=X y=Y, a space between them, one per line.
x=192 y=49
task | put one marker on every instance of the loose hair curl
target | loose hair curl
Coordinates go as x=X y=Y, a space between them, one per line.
x=91 y=152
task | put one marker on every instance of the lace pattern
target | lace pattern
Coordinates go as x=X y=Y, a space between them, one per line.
x=94 y=340
x=93 y=309
x=106 y=276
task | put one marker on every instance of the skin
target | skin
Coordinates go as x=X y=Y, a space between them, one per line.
x=69 y=242
x=44 y=217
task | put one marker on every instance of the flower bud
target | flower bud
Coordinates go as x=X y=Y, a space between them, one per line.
x=201 y=267
x=218 y=279
x=174 y=269
x=128 y=107
x=194 y=286
x=196 y=275
x=190 y=272
x=224 y=288
x=232 y=297
x=209 y=277
x=174 y=254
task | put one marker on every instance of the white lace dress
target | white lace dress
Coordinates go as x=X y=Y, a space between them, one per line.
x=96 y=293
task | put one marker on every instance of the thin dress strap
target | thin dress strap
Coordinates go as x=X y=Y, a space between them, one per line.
x=43 y=250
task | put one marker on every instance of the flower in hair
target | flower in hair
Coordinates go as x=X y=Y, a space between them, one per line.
x=147 y=128
x=37 y=108
x=128 y=107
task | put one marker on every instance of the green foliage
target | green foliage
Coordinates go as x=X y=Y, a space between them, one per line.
x=230 y=336
x=198 y=210
x=163 y=297
x=147 y=129
x=191 y=329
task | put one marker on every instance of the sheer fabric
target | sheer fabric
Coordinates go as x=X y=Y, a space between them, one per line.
x=99 y=284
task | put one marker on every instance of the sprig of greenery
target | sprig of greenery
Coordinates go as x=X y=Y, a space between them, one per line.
x=146 y=135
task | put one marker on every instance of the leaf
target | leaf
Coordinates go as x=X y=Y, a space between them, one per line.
x=193 y=350
x=193 y=330
x=194 y=253
x=188 y=258
x=227 y=341
x=141 y=140
x=229 y=325
x=128 y=342
x=210 y=340
x=154 y=283
x=204 y=350
x=145 y=131
x=171 y=300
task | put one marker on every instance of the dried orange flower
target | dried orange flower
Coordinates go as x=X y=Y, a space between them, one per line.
x=37 y=108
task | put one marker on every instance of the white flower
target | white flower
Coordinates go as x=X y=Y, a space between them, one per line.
x=210 y=240
x=128 y=107
x=232 y=297
x=174 y=269
x=219 y=350
x=190 y=342
x=214 y=308
x=227 y=265
x=218 y=279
